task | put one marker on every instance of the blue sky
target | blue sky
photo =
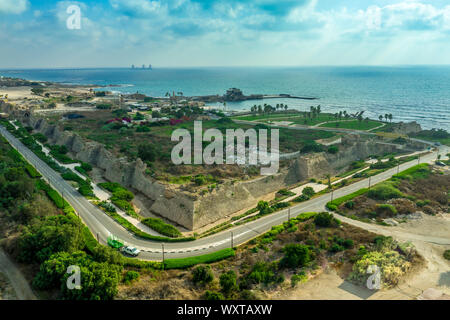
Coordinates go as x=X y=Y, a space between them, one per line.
x=173 y=33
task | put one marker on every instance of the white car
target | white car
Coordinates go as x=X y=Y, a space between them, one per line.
x=132 y=251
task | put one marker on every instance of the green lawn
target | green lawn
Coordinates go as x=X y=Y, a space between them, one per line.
x=352 y=124
x=297 y=118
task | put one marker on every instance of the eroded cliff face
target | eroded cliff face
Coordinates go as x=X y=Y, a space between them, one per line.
x=194 y=211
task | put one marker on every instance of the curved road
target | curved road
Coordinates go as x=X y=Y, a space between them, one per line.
x=101 y=225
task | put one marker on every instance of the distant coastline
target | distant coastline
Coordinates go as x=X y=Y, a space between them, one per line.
x=409 y=93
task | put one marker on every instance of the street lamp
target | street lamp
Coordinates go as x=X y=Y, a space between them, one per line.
x=162 y=245
x=232 y=240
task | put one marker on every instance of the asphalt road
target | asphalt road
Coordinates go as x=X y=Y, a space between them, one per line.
x=101 y=225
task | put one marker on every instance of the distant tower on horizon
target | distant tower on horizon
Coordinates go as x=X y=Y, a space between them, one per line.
x=132 y=66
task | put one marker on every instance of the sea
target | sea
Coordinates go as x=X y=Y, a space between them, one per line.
x=409 y=93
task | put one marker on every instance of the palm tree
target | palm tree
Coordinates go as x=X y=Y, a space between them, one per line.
x=390 y=117
x=386 y=116
x=260 y=110
x=380 y=117
x=285 y=107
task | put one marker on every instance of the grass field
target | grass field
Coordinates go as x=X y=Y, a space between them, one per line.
x=352 y=124
x=297 y=118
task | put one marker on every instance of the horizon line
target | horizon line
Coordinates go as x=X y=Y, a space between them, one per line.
x=218 y=66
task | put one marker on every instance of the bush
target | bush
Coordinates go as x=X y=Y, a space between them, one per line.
x=200 y=180
x=447 y=254
x=333 y=149
x=142 y=128
x=147 y=152
x=162 y=227
x=325 y=219
x=301 y=198
x=308 y=191
x=130 y=276
x=213 y=295
x=264 y=208
x=123 y=194
x=384 y=191
x=296 y=255
x=350 y=204
x=202 y=275
x=296 y=278
x=263 y=272
x=228 y=282
x=387 y=209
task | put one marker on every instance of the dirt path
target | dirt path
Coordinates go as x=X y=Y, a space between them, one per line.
x=17 y=280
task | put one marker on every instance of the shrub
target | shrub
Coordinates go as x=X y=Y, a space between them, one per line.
x=264 y=208
x=333 y=149
x=387 y=209
x=86 y=191
x=147 y=152
x=301 y=198
x=336 y=248
x=123 y=195
x=295 y=255
x=162 y=227
x=308 y=191
x=202 y=274
x=325 y=219
x=200 y=180
x=228 y=282
x=384 y=191
x=263 y=272
x=130 y=276
x=280 y=205
x=350 y=204
x=285 y=192
x=142 y=129
x=300 y=277
x=447 y=254
x=213 y=295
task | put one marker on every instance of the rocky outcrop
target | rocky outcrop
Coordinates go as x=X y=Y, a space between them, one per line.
x=406 y=128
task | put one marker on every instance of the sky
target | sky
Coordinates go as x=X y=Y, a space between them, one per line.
x=188 y=33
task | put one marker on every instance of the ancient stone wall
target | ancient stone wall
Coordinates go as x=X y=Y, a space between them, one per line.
x=193 y=211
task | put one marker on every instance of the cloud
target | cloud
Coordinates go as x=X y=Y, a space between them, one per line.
x=137 y=7
x=407 y=15
x=13 y=6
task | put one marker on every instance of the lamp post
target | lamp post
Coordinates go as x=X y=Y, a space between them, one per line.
x=289 y=214
x=232 y=240
x=370 y=179
x=162 y=246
